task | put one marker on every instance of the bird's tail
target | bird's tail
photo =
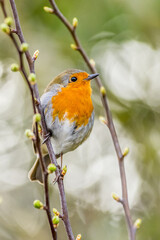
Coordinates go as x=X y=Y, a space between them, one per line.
x=35 y=173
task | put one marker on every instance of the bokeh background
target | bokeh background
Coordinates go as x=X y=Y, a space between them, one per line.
x=123 y=37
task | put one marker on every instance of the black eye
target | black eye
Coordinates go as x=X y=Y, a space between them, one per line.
x=73 y=79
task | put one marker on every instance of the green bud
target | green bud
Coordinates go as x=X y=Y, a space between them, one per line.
x=38 y=204
x=79 y=237
x=51 y=168
x=126 y=151
x=55 y=212
x=29 y=134
x=73 y=46
x=138 y=223
x=32 y=78
x=37 y=117
x=103 y=91
x=92 y=62
x=14 y=67
x=24 y=47
x=55 y=220
x=75 y=22
x=48 y=10
x=5 y=28
x=115 y=197
x=8 y=21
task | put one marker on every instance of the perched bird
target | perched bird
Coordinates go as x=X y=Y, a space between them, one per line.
x=69 y=114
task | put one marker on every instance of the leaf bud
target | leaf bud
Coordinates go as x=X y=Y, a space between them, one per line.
x=75 y=22
x=5 y=28
x=103 y=91
x=102 y=120
x=37 y=117
x=55 y=212
x=48 y=9
x=24 y=47
x=92 y=62
x=115 y=197
x=8 y=21
x=138 y=223
x=51 y=168
x=126 y=151
x=38 y=204
x=29 y=134
x=64 y=170
x=35 y=55
x=55 y=220
x=32 y=78
x=14 y=67
x=79 y=237
x=73 y=46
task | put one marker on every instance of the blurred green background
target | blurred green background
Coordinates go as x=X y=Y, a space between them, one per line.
x=123 y=37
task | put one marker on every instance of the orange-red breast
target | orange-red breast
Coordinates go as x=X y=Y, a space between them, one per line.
x=69 y=114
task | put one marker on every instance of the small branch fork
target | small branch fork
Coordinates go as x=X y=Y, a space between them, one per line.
x=18 y=31
x=38 y=108
x=109 y=121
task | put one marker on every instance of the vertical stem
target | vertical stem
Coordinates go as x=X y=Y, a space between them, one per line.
x=3 y=8
x=23 y=71
x=72 y=30
x=20 y=34
x=65 y=210
x=47 y=206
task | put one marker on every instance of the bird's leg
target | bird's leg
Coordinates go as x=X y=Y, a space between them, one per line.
x=47 y=136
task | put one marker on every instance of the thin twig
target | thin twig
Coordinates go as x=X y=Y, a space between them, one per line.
x=72 y=30
x=65 y=210
x=18 y=31
x=59 y=180
x=3 y=8
x=20 y=34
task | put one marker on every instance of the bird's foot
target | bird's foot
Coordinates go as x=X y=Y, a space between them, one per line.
x=47 y=136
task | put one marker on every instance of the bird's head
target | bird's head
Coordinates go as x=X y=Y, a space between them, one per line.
x=72 y=76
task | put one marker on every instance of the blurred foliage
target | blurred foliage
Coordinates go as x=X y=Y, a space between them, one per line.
x=124 y=39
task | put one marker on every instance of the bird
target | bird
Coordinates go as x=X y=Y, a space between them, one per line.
x=69 y=114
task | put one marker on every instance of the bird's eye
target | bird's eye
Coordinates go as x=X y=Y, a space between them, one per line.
x=73 y=79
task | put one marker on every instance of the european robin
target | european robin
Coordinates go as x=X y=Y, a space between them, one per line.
x=69 y=114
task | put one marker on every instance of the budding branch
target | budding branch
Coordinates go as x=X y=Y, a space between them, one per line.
x=38 y=108
x=110 y=124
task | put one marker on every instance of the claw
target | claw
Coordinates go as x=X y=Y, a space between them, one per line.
x=46 y=137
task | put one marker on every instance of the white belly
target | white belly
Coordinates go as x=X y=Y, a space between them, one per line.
x=66 y=137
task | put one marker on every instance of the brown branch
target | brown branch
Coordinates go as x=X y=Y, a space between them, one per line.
x=65 y=217
x=34 y=89
x=3 y=8
x=125 y=203
x=20 y=34
x=59 y=180
x=18 y=31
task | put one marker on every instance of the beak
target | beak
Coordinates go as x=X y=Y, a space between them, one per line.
x=91 y=76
